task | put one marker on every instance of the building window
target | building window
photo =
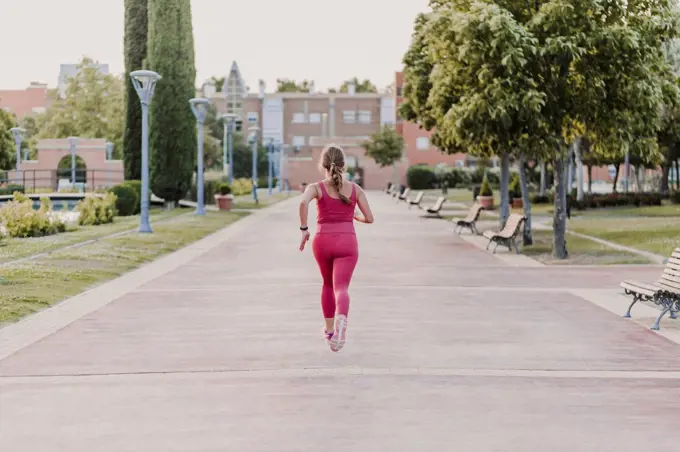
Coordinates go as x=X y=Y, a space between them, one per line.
x=423 y=143
x=299 y=118
x=350 y=117
x=460 y=163
x=252 y=118
x=364 y=117
x=298 y=141
x=315 y=118
x=399 y=91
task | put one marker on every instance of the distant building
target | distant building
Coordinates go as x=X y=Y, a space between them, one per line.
x=24 y=102
x=70 y=70
x=306 y=122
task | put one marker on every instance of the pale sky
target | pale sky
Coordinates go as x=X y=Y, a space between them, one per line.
x=327 y=41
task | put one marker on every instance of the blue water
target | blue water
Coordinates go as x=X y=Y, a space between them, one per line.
x=57 y=206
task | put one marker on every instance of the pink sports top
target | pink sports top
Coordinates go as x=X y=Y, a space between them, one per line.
x=334 y=216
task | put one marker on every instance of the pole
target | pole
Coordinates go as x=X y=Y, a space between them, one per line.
x=255 y=167
x=224 y=148
x=17 y=141
x=627 y=169
x=281 y=151
x=73 y=162
x=231 y=151
x=270 y=150
x=144 y=226
x=200 y=194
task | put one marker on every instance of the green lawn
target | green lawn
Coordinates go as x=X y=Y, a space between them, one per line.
x=581 y=252
x=19 y=248
x=27 y=287
x=665 y=210
x=659 y=235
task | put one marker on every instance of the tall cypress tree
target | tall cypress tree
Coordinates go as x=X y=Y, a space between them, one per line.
x=136 y=28
x=173 y=126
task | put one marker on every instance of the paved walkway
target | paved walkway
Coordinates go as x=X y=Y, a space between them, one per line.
x=218 y=348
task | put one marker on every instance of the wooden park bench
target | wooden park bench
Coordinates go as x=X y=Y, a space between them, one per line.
x=404 y=196
x=506 y=236
x=437 y=207
x=665 y=293
x=416 y=202
x=470 y=222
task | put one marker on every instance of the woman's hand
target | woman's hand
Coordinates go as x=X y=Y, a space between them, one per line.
x=305 y=239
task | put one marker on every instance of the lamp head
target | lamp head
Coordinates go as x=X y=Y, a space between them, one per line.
x=17 y=133
x=199 y=106
x=144 y=83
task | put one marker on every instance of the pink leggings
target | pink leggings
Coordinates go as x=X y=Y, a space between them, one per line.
x=337 y=255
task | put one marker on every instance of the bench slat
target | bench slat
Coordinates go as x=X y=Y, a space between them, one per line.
x=640 y=287
x=489 y=234
x=670 y=283
x=674 y=260
x=672 y=272
x=511 y=226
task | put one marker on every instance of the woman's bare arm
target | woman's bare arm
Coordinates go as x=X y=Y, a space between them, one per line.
x=362 y=202
x=308 y=196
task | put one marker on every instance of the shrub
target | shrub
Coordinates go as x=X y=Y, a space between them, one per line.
x=224 y=189
x=242 y=187
x=19 y=219
x=137 y=185
x=454 y=178
x=95 y=210
x=485 y=189
x=477 y=176
x=538 y=199
x=263 y=182
x=514 y=188
x=127 y=199
x=675 y=197
x=209 y=190
x=421 y=177
x=11 y=189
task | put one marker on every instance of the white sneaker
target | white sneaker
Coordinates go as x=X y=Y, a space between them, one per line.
x=337 y=341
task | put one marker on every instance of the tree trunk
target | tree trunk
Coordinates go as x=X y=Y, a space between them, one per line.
x=665 y=172
x=560 y=216
x=542 y=190
x=616 y=178
x=579 y=169
x=590 y=179
x=505 y=198
x=528 y=240
x=638 y=184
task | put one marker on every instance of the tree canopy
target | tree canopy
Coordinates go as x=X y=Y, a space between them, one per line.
x=7 y=146
x=284 y=85
x=385 y=146
x=365 y=86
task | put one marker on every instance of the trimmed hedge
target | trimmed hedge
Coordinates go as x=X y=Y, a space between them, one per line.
x=127 y=199
x=421 y=177
x=95 y=210
x=137 y=186
x=209 y=190
x=11 y=189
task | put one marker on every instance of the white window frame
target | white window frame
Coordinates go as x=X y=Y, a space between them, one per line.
x=419 y=144
x=349 y=117
x=315 y=118
x=299 y=141
x=364 y=117
x=299 y=118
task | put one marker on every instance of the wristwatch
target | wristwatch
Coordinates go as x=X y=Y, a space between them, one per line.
x=304 y=228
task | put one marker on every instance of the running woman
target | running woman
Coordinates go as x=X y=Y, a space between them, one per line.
x=335 y=244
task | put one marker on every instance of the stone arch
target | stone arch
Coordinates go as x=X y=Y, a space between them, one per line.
x=64 y=169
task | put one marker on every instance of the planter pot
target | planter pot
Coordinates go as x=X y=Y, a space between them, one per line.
x=224 y=202
x=517 y=203
x=486 y=202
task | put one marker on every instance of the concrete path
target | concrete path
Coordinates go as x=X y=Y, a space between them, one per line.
x=219 y=348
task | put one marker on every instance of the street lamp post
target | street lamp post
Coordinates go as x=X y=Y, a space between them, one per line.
x=72 y=143
x=109 y=157
x=253 y=142
x=270 y=165
x=18 y=134
x=200 y=108
x=229 y=120
x=145 y=84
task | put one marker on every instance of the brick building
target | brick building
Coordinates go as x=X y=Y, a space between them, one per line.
x=306 y=122
x=23 y=102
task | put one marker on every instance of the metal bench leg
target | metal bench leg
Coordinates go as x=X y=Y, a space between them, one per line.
x=474 y=229
x=635 y=300
x=514 y=242
x=656 y=326
x=487 y=245
x=494 y=248
x=674 y=314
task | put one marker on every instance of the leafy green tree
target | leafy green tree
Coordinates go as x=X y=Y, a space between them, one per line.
x=31 y=125
x=284 y=85
x=218 y=82
x=173 y=126
x=7 y=146
x=365 y=86
x=92 y=107
x=386 y=147
x=135 y=42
